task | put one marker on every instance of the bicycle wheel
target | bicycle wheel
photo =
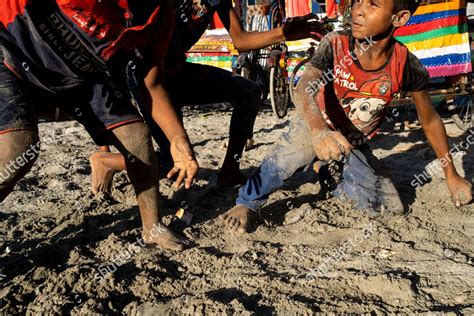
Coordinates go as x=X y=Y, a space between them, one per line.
x=464 y=118
x=279 y=91
x=292 y=87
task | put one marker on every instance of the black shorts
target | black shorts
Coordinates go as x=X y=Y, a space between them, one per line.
x=92 y=103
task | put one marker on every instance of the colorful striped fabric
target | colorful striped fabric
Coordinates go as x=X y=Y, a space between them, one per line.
x=438 y=35
x=216 y=59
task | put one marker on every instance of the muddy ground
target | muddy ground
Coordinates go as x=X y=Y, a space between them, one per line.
x=309 y=255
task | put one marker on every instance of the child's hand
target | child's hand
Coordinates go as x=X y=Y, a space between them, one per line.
x=185 y=164
x=300 y=27
x=461 y=190
x=331 y=145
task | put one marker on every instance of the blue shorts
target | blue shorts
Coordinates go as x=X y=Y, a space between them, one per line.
x=92 y=103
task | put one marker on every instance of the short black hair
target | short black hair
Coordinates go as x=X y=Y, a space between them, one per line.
x=410 y=5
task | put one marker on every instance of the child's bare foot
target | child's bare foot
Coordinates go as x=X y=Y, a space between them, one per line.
x=164 y=237
x=237 y=218
x=102 y=176
x=231 y=177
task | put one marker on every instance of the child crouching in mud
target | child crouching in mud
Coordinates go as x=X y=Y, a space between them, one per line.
x=342 y=99
x=95 y=60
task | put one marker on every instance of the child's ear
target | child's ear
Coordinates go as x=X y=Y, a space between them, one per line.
x=401 y=18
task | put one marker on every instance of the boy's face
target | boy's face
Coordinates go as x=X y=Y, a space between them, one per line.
x=371 y=18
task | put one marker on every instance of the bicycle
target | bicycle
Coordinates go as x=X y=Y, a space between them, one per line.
x=268 y=67
x=269 y=71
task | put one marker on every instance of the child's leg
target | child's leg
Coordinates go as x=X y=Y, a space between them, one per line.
x=206 y=84
x=19 y=142
x=203 y=85
x=18 y=152
x=367 y=185
x=295 y=150
x=134 y=143
x=104 y=165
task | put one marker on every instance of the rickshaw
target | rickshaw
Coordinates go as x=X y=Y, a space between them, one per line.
x=439 y=35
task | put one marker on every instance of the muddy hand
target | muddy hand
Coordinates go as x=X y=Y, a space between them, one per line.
x=185 y=165
x=461 y=190
x=331 y=145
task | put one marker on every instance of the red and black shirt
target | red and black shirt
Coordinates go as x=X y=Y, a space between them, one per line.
x=353 y=100
x=59 y=42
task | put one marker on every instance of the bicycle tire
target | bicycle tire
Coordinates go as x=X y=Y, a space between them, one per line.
x=292 y=87
x=464 y=118
x=279 y=94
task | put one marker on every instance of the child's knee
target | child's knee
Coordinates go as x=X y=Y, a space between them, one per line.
x=134 y=143
x=133 y=138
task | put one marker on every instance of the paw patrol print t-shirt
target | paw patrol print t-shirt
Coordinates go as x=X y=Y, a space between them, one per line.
x=192 y=19
x=353 y=100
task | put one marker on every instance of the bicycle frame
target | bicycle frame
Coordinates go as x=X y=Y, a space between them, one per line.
x=277 y=53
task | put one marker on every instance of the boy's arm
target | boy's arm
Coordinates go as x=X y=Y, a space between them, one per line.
x=294 y=29
x=461 y=190
x=328 y=144
x=163 y=113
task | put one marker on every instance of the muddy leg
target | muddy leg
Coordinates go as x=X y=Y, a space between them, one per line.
x=104 y=165
x=18 y=152
x=293 y=151
x=134 y=142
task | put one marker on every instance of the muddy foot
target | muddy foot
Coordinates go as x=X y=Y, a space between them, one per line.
x=102 y=176
x=237 y=218
x=164 y=237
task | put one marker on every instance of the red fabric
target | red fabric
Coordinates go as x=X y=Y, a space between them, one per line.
x=106 y=20
x=10 y=9
x=297 y=8
x=216 y=22
x=430 y=26
x=356 y=100
x=153 y=37
x=331 y=8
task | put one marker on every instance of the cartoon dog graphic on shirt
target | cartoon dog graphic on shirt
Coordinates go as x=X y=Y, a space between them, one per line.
x=364 y=106
x=363 y=110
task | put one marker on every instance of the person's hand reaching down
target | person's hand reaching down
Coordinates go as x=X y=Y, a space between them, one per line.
x=331 y=145
x=185 y=164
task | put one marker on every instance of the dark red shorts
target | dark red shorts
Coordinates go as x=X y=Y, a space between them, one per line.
x=92 y=103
